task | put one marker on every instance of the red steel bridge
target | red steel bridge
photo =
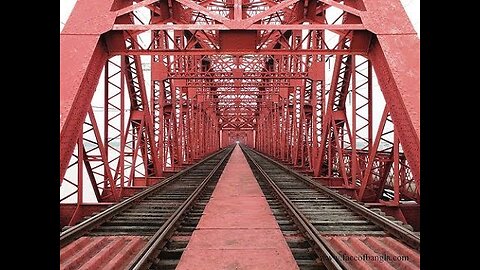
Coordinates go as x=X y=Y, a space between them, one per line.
x=328 y=88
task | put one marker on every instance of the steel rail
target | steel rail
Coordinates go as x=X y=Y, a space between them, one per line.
x=330 y=258
x=83 y=227
x=155 y=243
x=403 y=234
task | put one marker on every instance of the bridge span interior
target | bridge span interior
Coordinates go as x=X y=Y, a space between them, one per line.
x=328 y=88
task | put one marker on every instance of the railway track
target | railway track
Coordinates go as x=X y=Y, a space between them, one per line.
x=323 y=228
x=298 y=243
x=318 y=224
x=169 y=255
x=166 y=214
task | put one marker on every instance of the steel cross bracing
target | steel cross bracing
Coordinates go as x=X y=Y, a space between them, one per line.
x=150 y=87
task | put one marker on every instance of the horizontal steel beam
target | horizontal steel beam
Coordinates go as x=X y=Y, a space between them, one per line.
x=241 y=85
x=279 y=52
x=231 y=75
x=232 y=93
x=206 y=27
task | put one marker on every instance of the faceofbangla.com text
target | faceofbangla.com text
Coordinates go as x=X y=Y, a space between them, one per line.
x=372 y=258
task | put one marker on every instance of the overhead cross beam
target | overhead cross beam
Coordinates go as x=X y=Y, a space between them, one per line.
x=239 y=26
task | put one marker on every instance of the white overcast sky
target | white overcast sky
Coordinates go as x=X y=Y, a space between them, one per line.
x=412 y=7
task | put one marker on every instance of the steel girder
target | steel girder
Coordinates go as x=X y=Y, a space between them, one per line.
x=294 y=78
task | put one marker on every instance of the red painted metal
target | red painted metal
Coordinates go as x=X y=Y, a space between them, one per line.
x=306 y=82
x=81 y=210
x=101 y=252
x=81 y=57
x=370 y=252
x=237 y=227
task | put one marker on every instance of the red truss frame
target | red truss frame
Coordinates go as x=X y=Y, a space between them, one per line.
x=149 y=87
